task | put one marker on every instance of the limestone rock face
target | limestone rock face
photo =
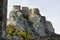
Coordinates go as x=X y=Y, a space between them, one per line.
x=34 y=18
x=49 y=26
x=30 y=19
x=34 y=15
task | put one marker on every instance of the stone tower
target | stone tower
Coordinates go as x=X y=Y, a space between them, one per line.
x=34 y=11
x=15 y=9
x=25 y=12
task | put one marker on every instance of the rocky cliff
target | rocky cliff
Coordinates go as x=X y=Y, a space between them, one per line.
x=29 y=21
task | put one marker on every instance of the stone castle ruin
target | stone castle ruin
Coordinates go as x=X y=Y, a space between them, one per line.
x=31 y=19
x=25 y=19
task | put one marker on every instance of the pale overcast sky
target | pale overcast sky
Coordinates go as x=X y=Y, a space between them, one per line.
x=48 y=8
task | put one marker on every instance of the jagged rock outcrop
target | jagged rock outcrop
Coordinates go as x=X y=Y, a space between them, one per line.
x=49 y=26
x=30 y=19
